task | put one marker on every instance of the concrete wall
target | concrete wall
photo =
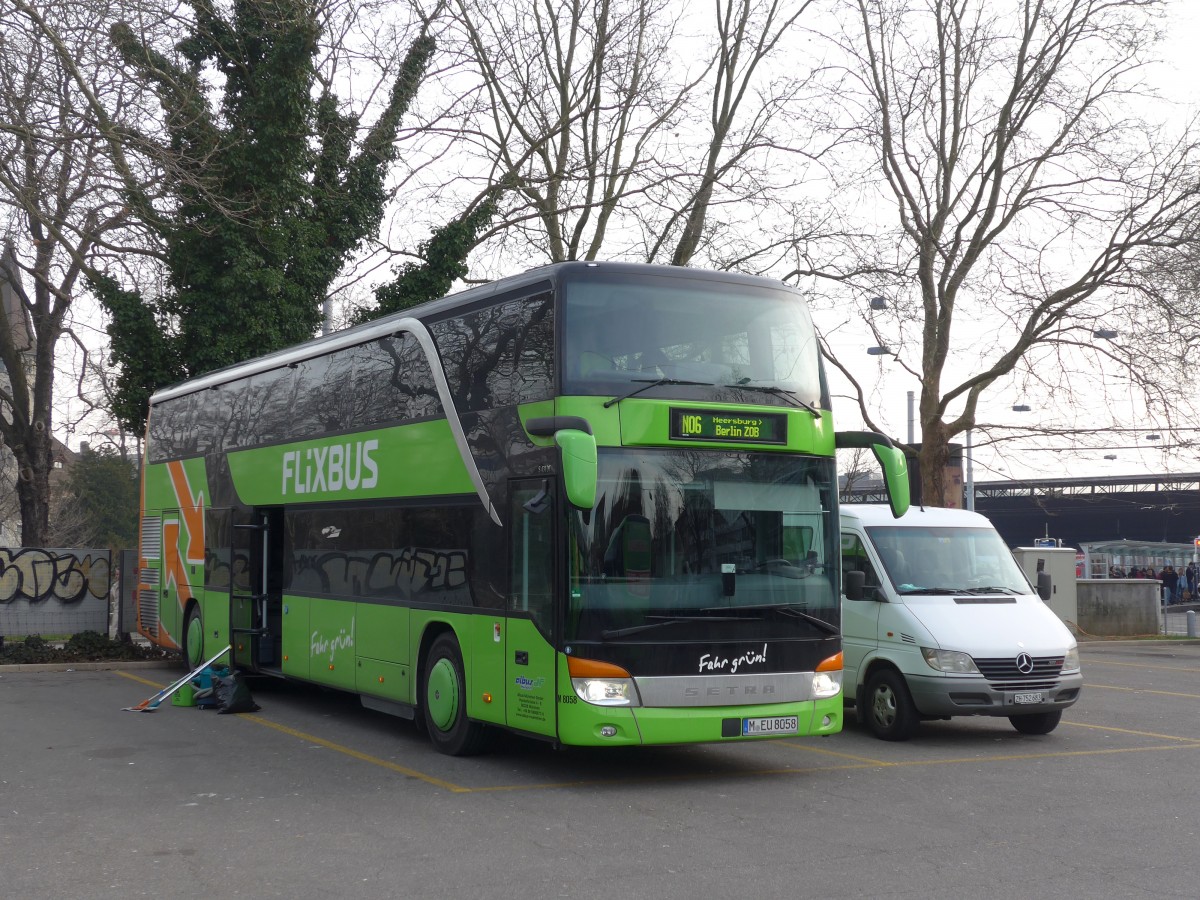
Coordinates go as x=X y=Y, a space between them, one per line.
x=1118 y=606
x=53 y=591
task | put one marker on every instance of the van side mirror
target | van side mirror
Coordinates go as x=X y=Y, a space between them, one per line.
x=1044 y=586
x=891 y=459
x=853 y=584
x=577 y=455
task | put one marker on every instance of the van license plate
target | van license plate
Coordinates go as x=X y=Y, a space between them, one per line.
x=1030 y=697
x=773 y=725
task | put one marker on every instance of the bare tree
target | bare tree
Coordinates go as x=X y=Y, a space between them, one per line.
x=621 y=132
x=1011 y=143
x=59 y=204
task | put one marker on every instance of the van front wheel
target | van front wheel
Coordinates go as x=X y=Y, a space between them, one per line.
x=889 y=711
x=1036 y=723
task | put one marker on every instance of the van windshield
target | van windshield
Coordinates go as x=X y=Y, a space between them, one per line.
x=948 y=560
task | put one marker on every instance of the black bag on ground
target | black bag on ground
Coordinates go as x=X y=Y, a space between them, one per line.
x=233 y=695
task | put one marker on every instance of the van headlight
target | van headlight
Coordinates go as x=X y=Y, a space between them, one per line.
x=955 y=662
x=1071 y=660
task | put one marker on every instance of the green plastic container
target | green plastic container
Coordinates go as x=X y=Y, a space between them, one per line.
x=184 y=696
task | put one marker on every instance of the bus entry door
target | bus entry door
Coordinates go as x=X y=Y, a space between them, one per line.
x=529 y=654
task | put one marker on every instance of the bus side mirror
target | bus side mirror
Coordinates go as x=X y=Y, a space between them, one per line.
x=853 y=583
x=891 y=460
x=578 y=451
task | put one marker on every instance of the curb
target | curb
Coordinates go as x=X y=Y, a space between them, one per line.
x=102 y=666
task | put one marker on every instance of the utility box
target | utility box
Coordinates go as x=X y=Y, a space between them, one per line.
x=1060 y=563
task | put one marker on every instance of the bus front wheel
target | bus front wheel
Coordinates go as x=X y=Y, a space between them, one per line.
x=444 y=701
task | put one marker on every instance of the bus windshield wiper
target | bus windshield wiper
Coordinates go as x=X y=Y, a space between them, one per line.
x=650 y=383
x=778 y=392
x=788 y=609
x=610 y=633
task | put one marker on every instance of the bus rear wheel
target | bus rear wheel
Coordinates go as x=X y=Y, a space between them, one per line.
x=444 y=701
x=193 y=637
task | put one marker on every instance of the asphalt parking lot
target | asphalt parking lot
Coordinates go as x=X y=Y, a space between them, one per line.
x=314 y=796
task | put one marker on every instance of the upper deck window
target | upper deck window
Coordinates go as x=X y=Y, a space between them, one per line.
x=621 y=329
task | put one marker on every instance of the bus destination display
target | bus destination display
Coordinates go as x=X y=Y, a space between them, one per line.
x=739 y=427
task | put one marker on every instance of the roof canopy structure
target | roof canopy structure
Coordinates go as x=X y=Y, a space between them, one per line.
x=1099 y=556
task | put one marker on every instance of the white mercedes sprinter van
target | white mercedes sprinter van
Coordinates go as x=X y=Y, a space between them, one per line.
x=942 y=622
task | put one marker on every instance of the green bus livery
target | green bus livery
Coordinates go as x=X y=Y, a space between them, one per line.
x=595 y=504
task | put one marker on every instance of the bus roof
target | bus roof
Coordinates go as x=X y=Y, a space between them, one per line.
x=381 y=327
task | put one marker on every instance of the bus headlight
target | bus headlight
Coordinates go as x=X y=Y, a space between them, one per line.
x=953 y=661
x=601 y=683
x=826 y=685
x=827 y=680
x=606 y=691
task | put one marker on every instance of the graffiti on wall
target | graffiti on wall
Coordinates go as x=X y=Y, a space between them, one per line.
x=406 y=574
x=46 y=591
x=63 y=575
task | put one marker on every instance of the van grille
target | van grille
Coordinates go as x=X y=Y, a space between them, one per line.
x=1003 y=675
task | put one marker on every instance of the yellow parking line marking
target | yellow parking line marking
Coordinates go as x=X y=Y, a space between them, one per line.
x=139 y=678
x=1165 y=737
x=357 y=754
x=330 y=745
x=1116 y=687
x=1128 y=665
x=824 y=752
x=856 y=762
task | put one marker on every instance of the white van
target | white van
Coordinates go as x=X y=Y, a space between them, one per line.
x=942 y=622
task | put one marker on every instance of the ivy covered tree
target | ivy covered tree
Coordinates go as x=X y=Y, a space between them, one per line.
x=270 y=191
x=442 y=262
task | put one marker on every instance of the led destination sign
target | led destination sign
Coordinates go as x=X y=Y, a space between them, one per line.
x=739 y=427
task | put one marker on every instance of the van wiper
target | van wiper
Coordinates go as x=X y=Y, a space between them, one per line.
x=936 y=592
x=650 y=383
x=787 y=609
x=990 y=589
x=610 y=633
x=778 y=392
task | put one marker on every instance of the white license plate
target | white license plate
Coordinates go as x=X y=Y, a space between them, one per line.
x=1030 y=697
x=774 y=725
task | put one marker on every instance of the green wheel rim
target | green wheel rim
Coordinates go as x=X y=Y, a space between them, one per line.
x=194 y=641
x=441 y=694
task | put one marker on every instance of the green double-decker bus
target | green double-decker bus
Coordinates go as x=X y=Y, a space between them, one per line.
x=595 y=503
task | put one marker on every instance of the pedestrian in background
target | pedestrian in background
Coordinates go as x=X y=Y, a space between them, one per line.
x=1170 y=582
x=1189 y=578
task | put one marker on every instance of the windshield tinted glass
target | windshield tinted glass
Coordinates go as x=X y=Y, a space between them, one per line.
x=721 y=544
x=955 y=559
x=738 y=340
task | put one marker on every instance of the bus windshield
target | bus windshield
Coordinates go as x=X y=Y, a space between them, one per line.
x=703 y=545
x=741 y=342
x=944 y=560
